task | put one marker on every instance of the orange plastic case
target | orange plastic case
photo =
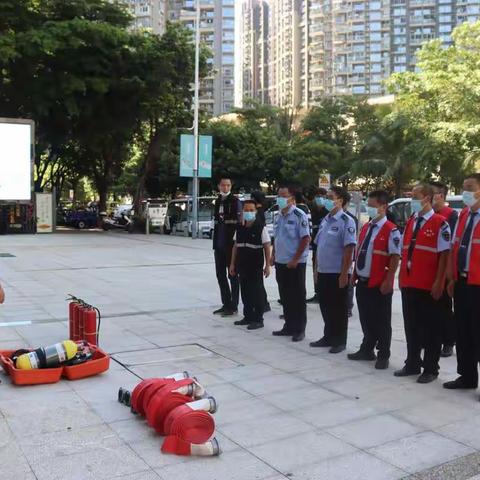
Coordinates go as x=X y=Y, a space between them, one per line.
x=99 y=363
x=28 y=377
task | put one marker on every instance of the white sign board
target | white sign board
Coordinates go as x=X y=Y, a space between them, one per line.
x=324 y=180
x=44 y=205
x=15 y=160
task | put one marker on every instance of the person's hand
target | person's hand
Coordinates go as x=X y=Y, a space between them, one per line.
x=343 y=280
x=450 y=288
x=354 y=280
x=437 y=290
x=292 y=264
x=266 y=271
x=386 y=287
x=232 y=271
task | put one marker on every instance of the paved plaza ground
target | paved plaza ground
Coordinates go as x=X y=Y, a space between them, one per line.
x=286 y=410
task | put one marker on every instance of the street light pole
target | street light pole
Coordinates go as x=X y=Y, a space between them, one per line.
x=195 y=125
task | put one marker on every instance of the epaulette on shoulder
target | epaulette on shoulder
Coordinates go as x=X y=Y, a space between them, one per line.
x=298 y=212
x=345 y=217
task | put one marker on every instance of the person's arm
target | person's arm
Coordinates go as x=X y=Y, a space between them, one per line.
x=304 y=243
x=2 y=294
x=232 y=268
x=439 y=283
x=443 y=247
x=349 y=243
x=387 y=285
x=346 y=265
x=266 y=252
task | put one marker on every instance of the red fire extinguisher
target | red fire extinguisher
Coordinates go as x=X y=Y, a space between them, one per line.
x=90 y=325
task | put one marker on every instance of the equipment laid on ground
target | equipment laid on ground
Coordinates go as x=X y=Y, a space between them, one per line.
x=47 y=357
x=179 y=408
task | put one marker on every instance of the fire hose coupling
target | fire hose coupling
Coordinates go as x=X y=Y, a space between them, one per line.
x=124 y=396
x=208 y=404
x=208 y=449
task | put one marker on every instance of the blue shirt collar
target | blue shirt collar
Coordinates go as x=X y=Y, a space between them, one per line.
x=290 y=210
x=337 y=216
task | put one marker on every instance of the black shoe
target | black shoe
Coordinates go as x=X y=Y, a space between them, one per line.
x=447 y=351
x=267 y=308
x=219 y=311
x=382 y=364
x=406 y=372
x=281 y=333
x=255 y=326
x=427 y=377
x=459 y=383
x=243 y=321
x=298 y=337
x=229 y=313
x=361 y=355
x=281 y=317
x=323 y=342
x=337 y=349
x=314 y=299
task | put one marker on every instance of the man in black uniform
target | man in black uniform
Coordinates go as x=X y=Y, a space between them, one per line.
x=251 y=260
x=227 y=216
x=318 y=212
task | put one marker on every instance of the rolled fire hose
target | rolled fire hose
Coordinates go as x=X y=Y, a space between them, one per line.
x=137 y=395
x=177 y=446
x=192 y=421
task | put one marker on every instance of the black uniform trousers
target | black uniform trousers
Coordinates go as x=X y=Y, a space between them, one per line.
x=252 y=290
x=446 y=320
x=229 y=286
x=467 y=320
x=293 y=294
x=421 y=314
x=375 y=311
x=334 y=307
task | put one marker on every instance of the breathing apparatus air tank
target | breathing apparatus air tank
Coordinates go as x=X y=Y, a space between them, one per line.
x=48 y=357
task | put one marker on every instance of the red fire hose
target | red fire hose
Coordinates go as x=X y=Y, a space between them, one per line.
x=177 y=446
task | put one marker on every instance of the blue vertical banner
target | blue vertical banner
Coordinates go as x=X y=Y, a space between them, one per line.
x=205 y=156
x=187 y=148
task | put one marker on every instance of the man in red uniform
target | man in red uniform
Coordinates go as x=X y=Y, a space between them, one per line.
x=376 y=262
x=464 y=286
x=426 y=243
x=446 y=320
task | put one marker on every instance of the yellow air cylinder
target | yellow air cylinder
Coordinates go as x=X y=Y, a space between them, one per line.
x=48 y=357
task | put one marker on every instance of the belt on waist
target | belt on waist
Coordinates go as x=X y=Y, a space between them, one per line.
x=363 y=279
x=463 y=274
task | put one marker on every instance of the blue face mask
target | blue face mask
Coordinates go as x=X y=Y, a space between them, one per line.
x=372 y=212
x=282 y=202
x=416 y=206
x=469 y=198
x=329 y=204
x=319 y=201
x=249 y=216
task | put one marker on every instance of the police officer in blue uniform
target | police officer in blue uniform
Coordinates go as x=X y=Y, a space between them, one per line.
x=290 y=253
x=336 y=240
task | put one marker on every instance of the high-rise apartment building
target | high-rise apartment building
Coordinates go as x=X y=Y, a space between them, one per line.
x=148 y=14
x=255 y=50
x=331 y=47
x=217 y=30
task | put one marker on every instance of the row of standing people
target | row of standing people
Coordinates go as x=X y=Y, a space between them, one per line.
x=433 y=269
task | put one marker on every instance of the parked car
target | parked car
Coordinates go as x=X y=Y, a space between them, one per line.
x=81 y=219
x=399 y=210
x=178 y=220
x=157 y=212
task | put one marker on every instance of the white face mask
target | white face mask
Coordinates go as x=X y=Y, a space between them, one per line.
x=469 y=198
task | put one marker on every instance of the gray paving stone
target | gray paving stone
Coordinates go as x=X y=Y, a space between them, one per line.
x=353 y=466
x=237 y=465
x=373 y=431
x=299 y=451
x=464 y=431
x=420 y=451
